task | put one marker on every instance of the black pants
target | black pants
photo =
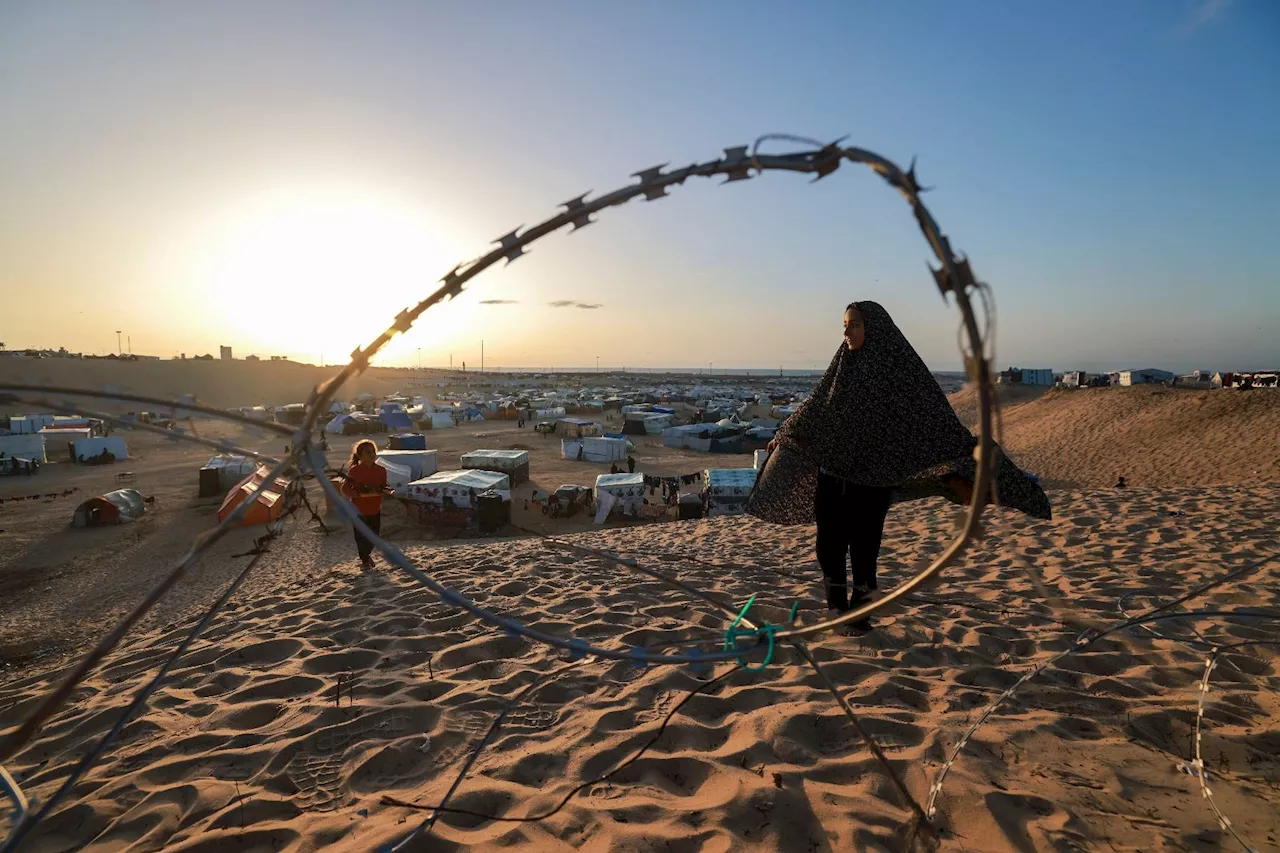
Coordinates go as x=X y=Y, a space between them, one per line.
x=850 y=522
x=363 y=545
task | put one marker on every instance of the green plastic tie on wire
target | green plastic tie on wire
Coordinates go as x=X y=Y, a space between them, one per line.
x=731 y=638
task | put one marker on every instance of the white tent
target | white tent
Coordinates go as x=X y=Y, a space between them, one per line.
x=625 y=490
x=461 y=486
x=439 y=420
x=727 y=490
x=397 y=475
x=421 y=463
x=27 y=446
x=762 y=456
x=86 y=448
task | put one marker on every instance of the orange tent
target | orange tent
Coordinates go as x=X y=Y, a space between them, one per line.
x=267 y=507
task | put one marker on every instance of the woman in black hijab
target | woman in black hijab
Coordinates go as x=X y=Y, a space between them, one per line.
x=877 y=430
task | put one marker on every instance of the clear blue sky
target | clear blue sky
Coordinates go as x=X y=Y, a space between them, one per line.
x=1109 y=167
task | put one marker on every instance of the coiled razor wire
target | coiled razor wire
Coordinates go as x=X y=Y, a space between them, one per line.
x=952 y=277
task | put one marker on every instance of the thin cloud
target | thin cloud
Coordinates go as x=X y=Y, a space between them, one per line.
x=1206 y=13
x=570 y=303
x=499 y=302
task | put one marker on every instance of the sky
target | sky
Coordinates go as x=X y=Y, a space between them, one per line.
x=283 y=177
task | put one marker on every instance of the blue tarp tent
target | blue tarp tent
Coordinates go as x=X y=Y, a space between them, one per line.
x=396 y=420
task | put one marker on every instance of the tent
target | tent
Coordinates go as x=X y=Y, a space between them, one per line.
x=397 y=474
x=119 y=507
x=267 y=507
x=576 y=428
x=27 y=445
x=394 y=416
x=437 y=420
x=460 y=487
x=421 y=463
x=229 y=469
x=293 y=414
x=513 y=463
x=87 y=449
x=57 y=442
x=625 y=491
x=761 y=457
x=595 y=449
x=727 y=490
x=408 y=441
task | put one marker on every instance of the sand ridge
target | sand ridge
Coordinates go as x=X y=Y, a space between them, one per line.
x=322 y=689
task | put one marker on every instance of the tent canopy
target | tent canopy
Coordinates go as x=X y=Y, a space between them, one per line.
x=268 y=506
x=118 y=507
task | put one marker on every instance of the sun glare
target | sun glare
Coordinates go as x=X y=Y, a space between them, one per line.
x=318 y=274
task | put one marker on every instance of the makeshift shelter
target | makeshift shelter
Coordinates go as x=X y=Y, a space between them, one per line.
x=513 y=463
x=595 y=449
x=394 y=416
x=119 y=507
x=727 y=490
x=408 y=441
x=57 y=442
x=576 y=428
x=224 y=471
x=619 y=493
x=293 y=414
x=550 y=413
x=29 y=424
x=437 y=420
x=421 y=463
x=27 y=445
x=761 y=457
x=397 y=475
x=267 y=507
x=460 y=487
x=86 y=450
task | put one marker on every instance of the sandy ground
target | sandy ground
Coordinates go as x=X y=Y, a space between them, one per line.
x=249 y=747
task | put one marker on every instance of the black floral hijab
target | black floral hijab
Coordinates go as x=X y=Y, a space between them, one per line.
x=878 y=418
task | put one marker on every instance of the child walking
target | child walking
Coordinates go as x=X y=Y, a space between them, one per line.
x=364 y=485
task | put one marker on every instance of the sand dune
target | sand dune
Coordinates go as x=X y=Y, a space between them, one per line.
x=1153 y=436
x=322 y=689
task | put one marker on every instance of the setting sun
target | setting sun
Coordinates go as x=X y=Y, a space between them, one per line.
x=318 y=273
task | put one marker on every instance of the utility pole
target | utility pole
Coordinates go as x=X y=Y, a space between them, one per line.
x=119 y=350
x=130 y=340
x=419 y=358
x=597 y=364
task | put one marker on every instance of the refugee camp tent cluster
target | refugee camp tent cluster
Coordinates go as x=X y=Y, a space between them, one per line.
x=25 y=446
x=355 y=424
x=724 y=437
x=646 y=421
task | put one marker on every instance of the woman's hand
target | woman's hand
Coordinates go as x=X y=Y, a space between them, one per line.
x=771 y=446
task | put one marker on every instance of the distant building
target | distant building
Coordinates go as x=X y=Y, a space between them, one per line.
x=226 y=353
x=1025 y=376
x=1075 y=379
x=252 y=357
x=1146 y=376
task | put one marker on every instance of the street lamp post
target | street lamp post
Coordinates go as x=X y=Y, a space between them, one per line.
x=118 y=350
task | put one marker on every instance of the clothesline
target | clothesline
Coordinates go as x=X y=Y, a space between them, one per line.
x=44 y=496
